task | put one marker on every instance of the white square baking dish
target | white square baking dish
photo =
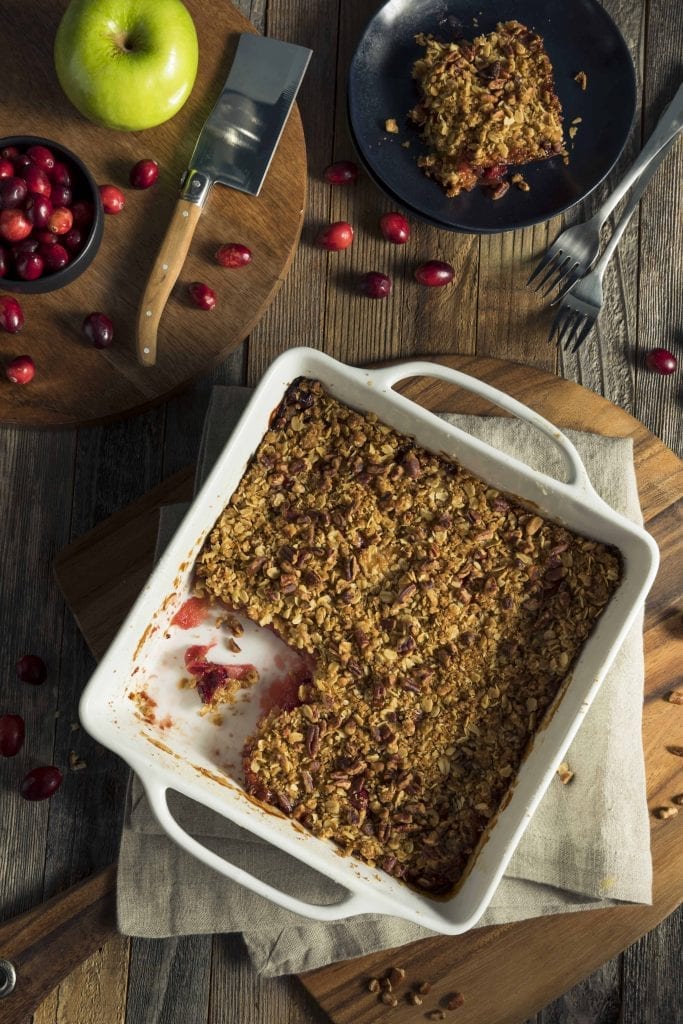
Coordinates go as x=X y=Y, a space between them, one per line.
x=171 y=746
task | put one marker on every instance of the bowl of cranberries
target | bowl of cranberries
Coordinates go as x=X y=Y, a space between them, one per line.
x=51 y=216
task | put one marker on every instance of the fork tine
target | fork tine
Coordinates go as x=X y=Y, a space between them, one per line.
x=566 y=270
x=558 y=322
x=570 y=280
x=570 y=325
x=583 y=333
x=547 y=257
x=555 y=270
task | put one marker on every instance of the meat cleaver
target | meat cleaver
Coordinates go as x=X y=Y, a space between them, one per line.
x=235 y=148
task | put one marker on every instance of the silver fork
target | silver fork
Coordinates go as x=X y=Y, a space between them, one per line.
x=574 y=252
x=581 y=303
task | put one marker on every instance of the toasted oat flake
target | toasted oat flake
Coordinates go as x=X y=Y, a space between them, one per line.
x=582 y=78
x=484 y=105
x=665 y=812
x=675 y=697
x=435 y=612
x=565 y=773
x=391 y=125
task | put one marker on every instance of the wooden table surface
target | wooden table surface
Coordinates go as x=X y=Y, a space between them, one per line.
x=56 y=486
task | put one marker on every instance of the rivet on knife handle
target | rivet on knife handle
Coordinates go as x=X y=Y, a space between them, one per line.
x=164 y=274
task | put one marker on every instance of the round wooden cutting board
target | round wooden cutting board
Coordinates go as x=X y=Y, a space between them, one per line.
x=510 y=971
x=75 y=383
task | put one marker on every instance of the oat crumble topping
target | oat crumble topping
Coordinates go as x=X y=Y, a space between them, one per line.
x=441 y=617
x=484 y=105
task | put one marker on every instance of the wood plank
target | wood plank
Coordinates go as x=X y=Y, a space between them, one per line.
x=587 y=938
x=169 y=980
x=75 y=382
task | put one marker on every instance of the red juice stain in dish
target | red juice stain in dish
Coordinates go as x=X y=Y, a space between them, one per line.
x=195 y=657
x=283 y=693
x=191 y=613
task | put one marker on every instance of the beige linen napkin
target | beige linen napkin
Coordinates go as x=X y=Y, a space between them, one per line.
x=587 y=846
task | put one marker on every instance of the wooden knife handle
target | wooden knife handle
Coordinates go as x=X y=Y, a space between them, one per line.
x=45 y=944
x=164 y=275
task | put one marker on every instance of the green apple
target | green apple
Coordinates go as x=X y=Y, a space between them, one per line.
x=126 y=64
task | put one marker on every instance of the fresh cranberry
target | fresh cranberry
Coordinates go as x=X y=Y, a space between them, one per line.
x=4 y=261
x=343 y=172
x=29 y=244
x=9 y=152
x=41 y=783
x=41 y=156
x=144 y=173
x=20 y=371
x=83 y=213
x=60 y=220
x=14 y=225
x=11 y=314
x=395 y=228
x=434 y=273
x=60 y=174
x=72 y=240
x=661 y=361
x=55 y=257
x=375 y=285
x=6 y=169
x=113 y=199
x=13 y=192
x=31 y=669
x=202 y=295
x=29 y=266
x=336 y=237
x=494 y=175
x=21 y=164
x=37 y=180
x=11 y=735
x=233 y=255
x=38 y=209
x=61 y=195
x=98 y=329
x=45 y=237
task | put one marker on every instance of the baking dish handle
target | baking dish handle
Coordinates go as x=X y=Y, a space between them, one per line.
x=350 y=906
x=578 y=477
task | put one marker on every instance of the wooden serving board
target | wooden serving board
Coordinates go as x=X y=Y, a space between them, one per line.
x=507 y=972
x=75 y=383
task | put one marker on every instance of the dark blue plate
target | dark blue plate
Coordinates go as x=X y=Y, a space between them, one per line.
x=578 y=35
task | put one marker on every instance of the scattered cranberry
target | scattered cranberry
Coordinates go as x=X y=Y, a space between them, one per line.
x=38 y=209
x=202 y=295
x=72 y=240
x=61 y=195
x=434 y=273
x=29 y=266
x=11 y=735
x=6 y=169
x=41 y=783
x=113 y=199
x=661 y=361
x=98 y=329
x=395 y=228
x=375 y=285
x=41 y=156
x=20 y=371
x=60 y=174
x=4 y=262
x=54 y=256
x=60 y=220
x=9 y=152
x=144 y=173
x=11 y=314
x=233 y=255
x=37 y=180
x=13 y=192
x=83 y=213
x=31 y=668
x=343 y=172
x=14 y=225
x=338 y=236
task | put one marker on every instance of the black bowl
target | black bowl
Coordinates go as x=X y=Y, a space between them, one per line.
x=578 y=35
x=84 y=187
